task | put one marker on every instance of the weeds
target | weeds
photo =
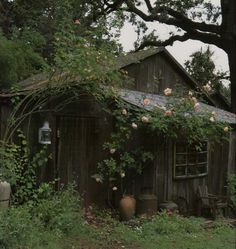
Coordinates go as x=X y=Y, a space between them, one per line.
x=40 y=225
x=57 y=222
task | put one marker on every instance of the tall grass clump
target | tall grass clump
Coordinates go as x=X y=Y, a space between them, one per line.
x=42 y=225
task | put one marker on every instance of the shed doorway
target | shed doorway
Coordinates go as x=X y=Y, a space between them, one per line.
x=76 y=147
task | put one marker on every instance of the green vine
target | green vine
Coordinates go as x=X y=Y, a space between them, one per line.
x=180 y=117
x=20 y=169
x=231 y=186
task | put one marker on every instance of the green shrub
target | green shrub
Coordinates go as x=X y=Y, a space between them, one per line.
x=61 y=212
x=42 y=225
x=18 y=229
x=20 y=168
x=231 y=184
x=169 y=224
x=17 y=62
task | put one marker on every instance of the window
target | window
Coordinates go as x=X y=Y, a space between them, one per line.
x=189 y=162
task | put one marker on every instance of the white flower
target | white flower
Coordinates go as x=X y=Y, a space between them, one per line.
x=168 y=91
x=112 y=151
x=226 y=128
x=124 y=112
x=207 y=87
x=145 y=119
x=134 y=126
x=212 y=119
x=114 y=188
x=122 y=174
x=197 y=107
x=190 y=93
x=146 y=101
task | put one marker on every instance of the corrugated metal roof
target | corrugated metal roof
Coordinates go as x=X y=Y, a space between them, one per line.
x=136 y=98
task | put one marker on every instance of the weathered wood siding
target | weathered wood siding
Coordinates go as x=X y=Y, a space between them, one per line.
x=217 y=168
x=81 y=128
x=169 y=189
x=5 y=110
x=154 y=74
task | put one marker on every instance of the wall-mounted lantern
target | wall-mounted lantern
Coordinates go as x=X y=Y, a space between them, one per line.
x=45 y=134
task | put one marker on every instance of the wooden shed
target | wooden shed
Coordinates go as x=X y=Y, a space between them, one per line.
x=81 y=127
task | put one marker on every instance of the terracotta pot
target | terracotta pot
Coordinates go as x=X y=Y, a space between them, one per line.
x=127 y=207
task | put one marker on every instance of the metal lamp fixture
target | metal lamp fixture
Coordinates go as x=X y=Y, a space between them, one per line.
x=45 y=134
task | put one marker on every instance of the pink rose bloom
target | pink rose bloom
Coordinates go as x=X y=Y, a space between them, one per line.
x=77 y=22
x=197 y=107
x=122 y=174
x=194 y=100
x=212 y=119
x=146 y=101
x=145 y=119
x=168 y=91
x=112 y=151
x=134 y=126
x=207 y=87
x=168 y=113
x=213 y=114
x=226 y=128
x=124 y=112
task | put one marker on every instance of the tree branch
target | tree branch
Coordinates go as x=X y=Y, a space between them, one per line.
x=194 y=35
x=188 y=22
x=149 y=6
x=165 y=43
x=178 y=19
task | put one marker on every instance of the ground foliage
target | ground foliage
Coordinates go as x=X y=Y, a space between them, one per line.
x=59 y=222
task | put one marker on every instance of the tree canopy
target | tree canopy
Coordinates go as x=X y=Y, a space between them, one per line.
x=194 y=19
x=32 y=32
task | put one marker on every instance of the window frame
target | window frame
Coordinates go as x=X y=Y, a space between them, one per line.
x=187 y=165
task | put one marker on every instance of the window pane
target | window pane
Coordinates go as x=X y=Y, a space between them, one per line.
x=181 y=148
x=192 y=148
x=180 y=171
x=181 y=159
x=190 y=161
x=202 y=168
x=192 y=158
x=204 y=146
x=192 y=170
x=202 y=157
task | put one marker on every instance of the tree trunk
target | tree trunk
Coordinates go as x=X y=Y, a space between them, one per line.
x=230 y=48
x=232 y=153
x=232 y=141
x=232 y=67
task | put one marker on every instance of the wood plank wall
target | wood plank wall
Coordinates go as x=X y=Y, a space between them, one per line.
x=154 y=74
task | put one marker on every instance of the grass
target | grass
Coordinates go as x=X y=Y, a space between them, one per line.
x=59 y=223
x=168 y=232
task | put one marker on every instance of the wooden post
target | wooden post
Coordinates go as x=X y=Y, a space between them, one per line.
x=232 y=153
